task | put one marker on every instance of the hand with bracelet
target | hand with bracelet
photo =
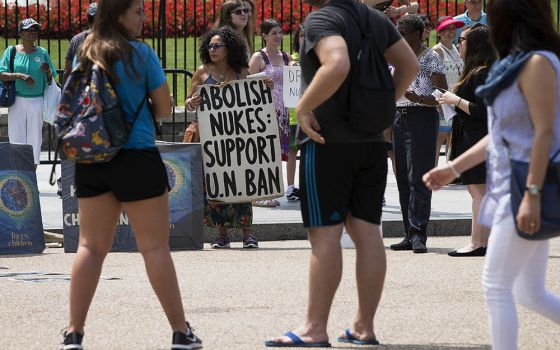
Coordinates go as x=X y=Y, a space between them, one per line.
x=28 y=79
x=192 y=103
x=451 y=99
x=438 y=177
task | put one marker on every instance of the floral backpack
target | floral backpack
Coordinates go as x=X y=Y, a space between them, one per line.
x=90 y=125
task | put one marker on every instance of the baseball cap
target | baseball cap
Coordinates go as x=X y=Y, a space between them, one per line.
x=92 y=9
x=28 y=23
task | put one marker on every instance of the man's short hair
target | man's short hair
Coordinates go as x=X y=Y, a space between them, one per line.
x=414 y=22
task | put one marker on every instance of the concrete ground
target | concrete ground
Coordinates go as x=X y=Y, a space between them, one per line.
x=235 y=299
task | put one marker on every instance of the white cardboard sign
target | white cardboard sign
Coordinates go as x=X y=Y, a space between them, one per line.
x=291 y=85
x=240 y=144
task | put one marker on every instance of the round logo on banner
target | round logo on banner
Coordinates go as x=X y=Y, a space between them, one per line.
x=174 y=175
x=15 y=197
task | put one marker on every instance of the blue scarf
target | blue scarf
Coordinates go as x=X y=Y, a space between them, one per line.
x=502 y=74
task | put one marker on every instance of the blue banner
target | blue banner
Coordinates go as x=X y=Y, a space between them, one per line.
x=186 y=206
x=21 y=225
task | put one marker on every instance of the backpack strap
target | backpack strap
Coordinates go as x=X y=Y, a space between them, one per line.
x=12 y=58
x=286 y=58
x=265 y=57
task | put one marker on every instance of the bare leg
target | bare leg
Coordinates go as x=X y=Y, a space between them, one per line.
x=150 y=221
x=98 y=217
x=479 y=233
x=325 y=271
x=391 y=155
x=291 y=167
x=371 y=267
x=442 y=136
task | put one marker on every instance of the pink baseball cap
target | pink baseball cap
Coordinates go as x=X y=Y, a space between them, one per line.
x=449 y=21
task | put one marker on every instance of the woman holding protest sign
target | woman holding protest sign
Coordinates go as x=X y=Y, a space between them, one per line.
x=222 y=52
x=271 y=60
x=106 y=189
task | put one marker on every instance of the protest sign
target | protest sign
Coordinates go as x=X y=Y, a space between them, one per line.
x=240 y=146
x=183 y=162
x=21 y=224
x=291 y=82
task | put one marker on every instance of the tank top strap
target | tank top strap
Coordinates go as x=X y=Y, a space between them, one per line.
x=265 y=57
x=285 y=57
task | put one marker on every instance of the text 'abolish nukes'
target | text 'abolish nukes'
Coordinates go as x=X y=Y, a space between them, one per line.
x=238 y=95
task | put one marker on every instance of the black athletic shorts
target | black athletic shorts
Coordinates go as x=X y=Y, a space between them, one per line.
x=133 y=174
x=342 y=178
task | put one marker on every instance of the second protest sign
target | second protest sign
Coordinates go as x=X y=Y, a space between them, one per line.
x=240 y=145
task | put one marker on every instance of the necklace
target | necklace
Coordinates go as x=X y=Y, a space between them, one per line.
x=221 y=76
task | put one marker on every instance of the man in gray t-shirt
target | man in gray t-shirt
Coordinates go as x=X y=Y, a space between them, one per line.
x=78 y=40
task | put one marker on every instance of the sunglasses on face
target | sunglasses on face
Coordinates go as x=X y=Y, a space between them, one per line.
x=215 y=46
x=240 y=11
x=32 y=29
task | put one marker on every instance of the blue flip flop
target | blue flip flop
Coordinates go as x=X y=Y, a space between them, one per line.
x=296 y=343
x=353 y=340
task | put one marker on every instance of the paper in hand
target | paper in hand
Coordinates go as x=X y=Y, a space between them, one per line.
x=448 y=111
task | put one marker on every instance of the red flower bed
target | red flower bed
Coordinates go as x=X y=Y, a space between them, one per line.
x=183 y=17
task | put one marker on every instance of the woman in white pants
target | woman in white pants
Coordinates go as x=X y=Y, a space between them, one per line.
x=33 y=70
x=522 y=93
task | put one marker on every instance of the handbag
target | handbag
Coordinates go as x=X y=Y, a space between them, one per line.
x=8 y=88
x=550 y=197
x=192 y=134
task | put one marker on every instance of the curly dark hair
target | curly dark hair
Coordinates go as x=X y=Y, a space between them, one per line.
x=235 y=45
x=413 y=22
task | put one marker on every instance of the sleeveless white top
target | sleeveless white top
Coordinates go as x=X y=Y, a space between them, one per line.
x=453 y=64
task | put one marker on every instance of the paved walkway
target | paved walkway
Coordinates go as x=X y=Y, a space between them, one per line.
x=451 y=210
x=235 y=299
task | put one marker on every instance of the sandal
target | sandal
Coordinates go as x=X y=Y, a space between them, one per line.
x=267 y=203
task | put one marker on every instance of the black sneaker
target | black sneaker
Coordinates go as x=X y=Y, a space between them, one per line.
x=404 y=245
x=71 y=341
x=293 y=196
x=418 y=246
x=186 y=341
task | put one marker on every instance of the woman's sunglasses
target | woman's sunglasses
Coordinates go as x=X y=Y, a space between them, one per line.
x=32 y=29
x=240 y=11
x=215 y=46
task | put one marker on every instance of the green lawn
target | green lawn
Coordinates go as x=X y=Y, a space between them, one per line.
x=180 y=55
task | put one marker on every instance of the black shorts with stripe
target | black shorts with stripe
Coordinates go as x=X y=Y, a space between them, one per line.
x=338 y=179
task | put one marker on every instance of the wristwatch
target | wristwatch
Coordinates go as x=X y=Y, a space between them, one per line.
x=533 y=190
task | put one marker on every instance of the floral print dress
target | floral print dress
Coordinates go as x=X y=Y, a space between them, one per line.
x=276 y=74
